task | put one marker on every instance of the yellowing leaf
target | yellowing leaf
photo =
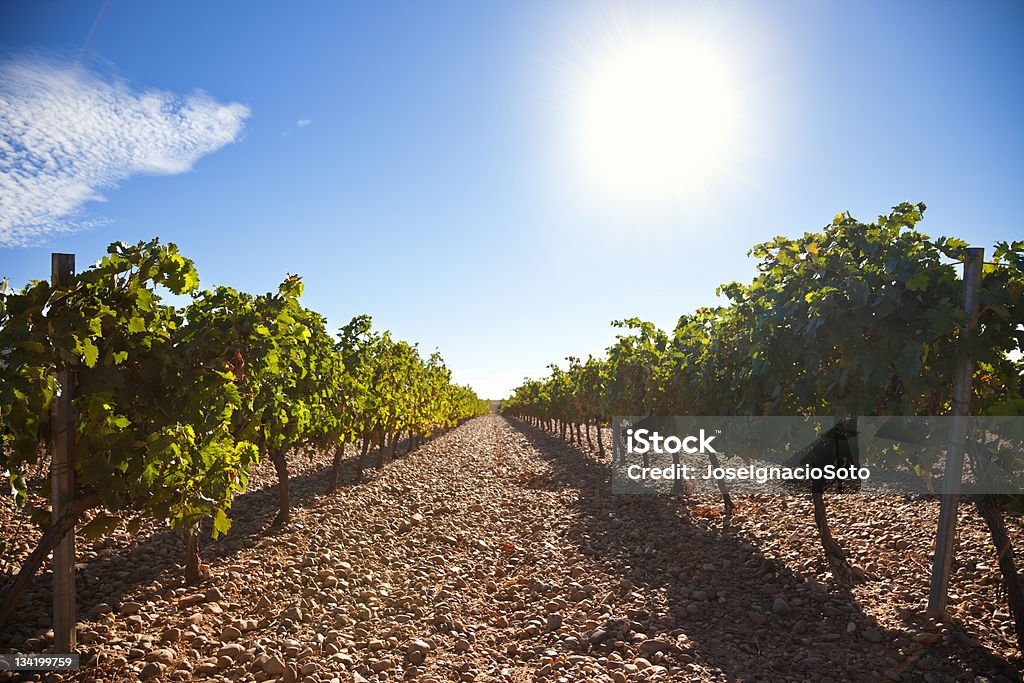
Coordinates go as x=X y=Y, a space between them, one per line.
x=90 y=354
x=221 y=523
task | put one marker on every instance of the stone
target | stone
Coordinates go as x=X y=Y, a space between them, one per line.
x=163 y=655
x=379 y=665
x=419 y=645
x=152 y=670
x=102 y=608
x=229 y=633
x=128 y=608
x=274 y=666
x=232 y=650
x=871 y=635
x=189 y=600
x=650 y=647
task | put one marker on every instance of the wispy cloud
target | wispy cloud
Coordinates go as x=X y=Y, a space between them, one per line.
x=67 y=133
x=301 y=123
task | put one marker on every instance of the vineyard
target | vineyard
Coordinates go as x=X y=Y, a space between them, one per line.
x=256 y=499
x=173 y=407
x=858 y=319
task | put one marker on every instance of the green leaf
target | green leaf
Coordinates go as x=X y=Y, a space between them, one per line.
x=42 y=518
x=90 y=352
x=1008 y=408
x=34 y=347
x=919 y=281
x=221 y=523
x=101 y=525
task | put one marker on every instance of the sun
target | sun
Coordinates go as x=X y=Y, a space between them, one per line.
x=657 y=119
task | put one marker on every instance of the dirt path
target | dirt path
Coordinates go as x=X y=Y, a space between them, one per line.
x=497 y=553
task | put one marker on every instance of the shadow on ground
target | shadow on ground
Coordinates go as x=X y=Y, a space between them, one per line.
x=157 y=557
x=680 y=561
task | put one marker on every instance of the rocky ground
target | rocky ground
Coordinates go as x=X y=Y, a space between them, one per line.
x=497 y=553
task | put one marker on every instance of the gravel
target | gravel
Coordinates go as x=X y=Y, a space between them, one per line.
x=495 y=552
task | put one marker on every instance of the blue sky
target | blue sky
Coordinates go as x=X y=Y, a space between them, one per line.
x=438 y=180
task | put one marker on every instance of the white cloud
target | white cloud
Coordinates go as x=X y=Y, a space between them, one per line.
x=66 y=134
x=302 y=123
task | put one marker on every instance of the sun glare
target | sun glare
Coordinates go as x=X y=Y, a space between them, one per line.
x=657 y=120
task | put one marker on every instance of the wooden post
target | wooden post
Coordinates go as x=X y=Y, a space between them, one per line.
x=962 y=377
x=62 y=485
